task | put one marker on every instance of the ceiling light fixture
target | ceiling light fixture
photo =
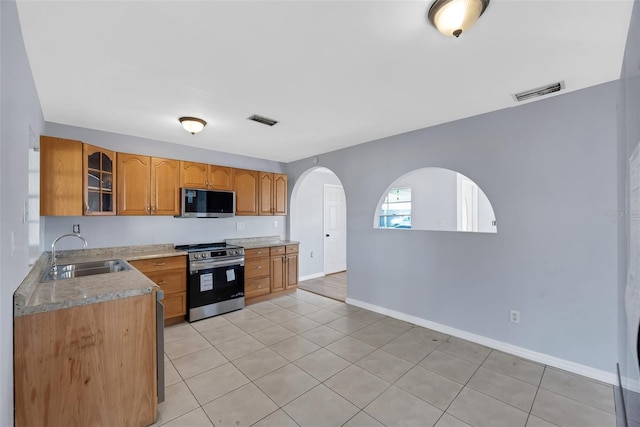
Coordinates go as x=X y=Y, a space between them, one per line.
x=452 y=17
x=192 y=124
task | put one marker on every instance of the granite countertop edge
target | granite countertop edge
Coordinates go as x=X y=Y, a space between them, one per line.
x=33 y=297
x=261 y=242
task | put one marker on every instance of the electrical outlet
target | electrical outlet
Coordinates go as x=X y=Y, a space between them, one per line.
x=514 y=316
x=275 y=223
x=76 y=228
x=239 y=225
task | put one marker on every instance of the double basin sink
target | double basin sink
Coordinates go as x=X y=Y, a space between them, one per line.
x=82 y=269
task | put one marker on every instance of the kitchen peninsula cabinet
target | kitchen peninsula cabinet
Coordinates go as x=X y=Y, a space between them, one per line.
x=246 y=185
x=170 y=273
x=147 y=185
x=272 y=194
x=98 y=182
x=60 y=177
x=201 y=175
x=87 y=365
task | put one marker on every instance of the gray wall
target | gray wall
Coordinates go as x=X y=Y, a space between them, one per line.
x=628 y=137
x=550 y=170
x=139 y=230
x=20 y=121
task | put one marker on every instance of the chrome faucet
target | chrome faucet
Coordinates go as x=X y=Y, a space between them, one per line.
x=54 y=265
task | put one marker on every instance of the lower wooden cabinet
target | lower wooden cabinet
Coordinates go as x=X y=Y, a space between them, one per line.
x=270 y=270
x=170 y=274
x=256 y=272
x=291 y=267
x=90 y=365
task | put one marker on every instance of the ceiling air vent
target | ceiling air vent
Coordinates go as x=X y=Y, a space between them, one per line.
x=261 y=119
x=541 y=91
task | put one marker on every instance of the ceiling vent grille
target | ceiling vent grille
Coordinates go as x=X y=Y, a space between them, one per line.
x=541 y=91
x=261 y=119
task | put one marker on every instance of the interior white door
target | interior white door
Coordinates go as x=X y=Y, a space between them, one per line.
x=468 y=206
x=335 y=229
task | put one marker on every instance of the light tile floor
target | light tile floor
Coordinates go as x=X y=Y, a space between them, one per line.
x=306 y=360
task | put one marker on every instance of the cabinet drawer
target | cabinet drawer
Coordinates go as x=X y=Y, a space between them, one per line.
x=256 y=252
x=278 y=250
x=170 y=281
x=175 y=305
x=292 y=249
x=257 y=267
x=159 y=264
x=256 y=287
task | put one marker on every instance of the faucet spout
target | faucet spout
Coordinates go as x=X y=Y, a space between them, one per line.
x=54 y=265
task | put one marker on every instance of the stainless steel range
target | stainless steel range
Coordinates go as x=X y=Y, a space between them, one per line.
x=215 y=279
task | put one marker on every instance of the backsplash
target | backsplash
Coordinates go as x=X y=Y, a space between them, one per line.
x=101 y=232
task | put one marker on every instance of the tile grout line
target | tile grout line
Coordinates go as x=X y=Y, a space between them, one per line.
x=344 y=316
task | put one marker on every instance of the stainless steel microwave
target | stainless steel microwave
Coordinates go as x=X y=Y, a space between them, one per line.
x=197 y=203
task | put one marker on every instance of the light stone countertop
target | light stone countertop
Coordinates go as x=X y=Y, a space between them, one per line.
x=33 y=296
x=260 y=242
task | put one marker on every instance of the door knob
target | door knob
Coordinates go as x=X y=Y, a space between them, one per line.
x=326 y=235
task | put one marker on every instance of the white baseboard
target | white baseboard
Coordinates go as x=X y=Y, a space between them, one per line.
x=576 y=368
x=632 y=384
x=310 y=276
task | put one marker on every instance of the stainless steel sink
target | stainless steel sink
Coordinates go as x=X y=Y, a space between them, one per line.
x=81 y=269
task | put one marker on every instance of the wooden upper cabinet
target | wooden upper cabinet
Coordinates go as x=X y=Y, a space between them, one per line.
x=133 y=184
x=165 y=186
x=220 y=177
x=273 y=194
x=99 y=172
x=194 y=175
x=279 y=194
x=201 y=175
x=246 y=186
x=148 y=185
x=60 y=177
x=266 y=194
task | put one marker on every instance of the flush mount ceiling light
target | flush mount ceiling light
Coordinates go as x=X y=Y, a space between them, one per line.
x=453 y=17
x=192 y=124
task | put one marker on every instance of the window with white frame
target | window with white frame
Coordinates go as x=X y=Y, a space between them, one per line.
x=33 y=205
x=395 y=211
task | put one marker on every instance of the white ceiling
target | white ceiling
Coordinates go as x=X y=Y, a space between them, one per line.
x=334 y=73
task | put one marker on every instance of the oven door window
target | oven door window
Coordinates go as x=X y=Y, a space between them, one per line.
x=217 y=284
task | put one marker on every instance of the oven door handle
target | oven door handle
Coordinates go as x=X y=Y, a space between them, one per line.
x=196 y=266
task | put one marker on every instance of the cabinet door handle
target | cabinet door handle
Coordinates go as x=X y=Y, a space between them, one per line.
x=148 y=209
x=259 y=267
x=159 y=263
x=162 y=282
x=260 y=287
x=153 y=208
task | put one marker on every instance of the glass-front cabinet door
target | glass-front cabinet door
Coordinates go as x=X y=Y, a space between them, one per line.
x=99 y=181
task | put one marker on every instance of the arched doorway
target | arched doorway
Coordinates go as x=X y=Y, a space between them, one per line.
x=318 y=221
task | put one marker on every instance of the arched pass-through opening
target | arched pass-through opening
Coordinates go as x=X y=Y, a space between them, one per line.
x=317 y=216
x=435 y=199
